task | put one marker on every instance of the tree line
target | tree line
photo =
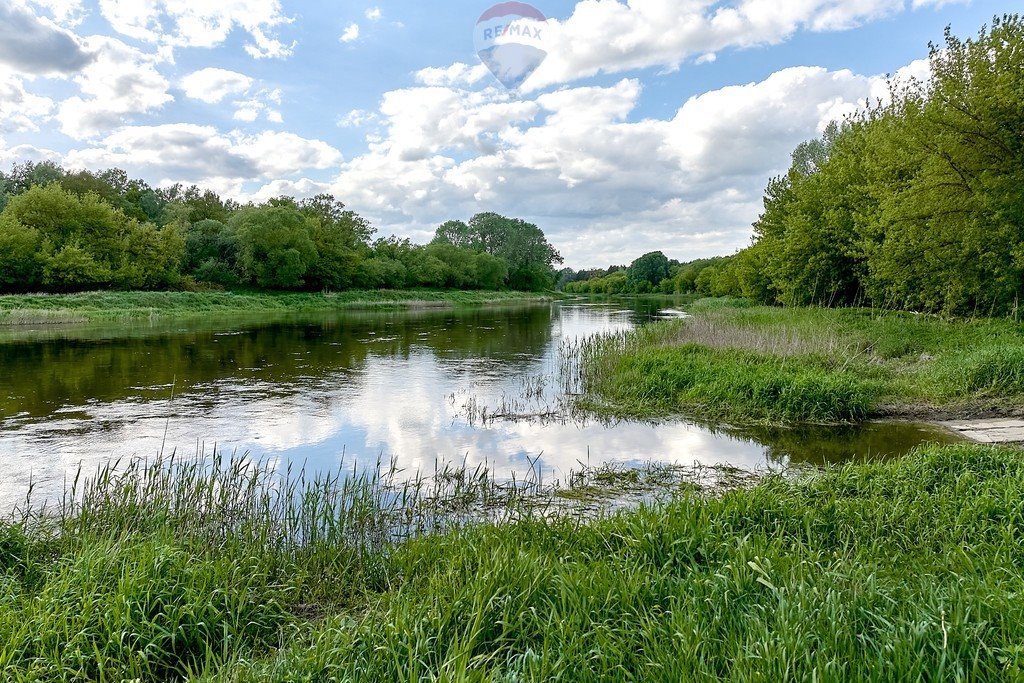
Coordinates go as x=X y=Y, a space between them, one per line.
x=652 y=273
x=914 y=203
x=67 y=231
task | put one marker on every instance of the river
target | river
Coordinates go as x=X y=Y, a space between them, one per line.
x=415 y=388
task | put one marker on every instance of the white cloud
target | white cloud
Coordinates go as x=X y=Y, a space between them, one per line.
x=212 y=84
x=277 y=154
x=64 y=12
x=609 y=36
x=20 y=110
x=374 y=14
x=201 y=154
x=121 y=83
x=187 y=23
x=22 y=153
x=350 y=34
x=357 y=118
x=458 y=74
x=264 y=101
x=602 y=185
x=36 y=45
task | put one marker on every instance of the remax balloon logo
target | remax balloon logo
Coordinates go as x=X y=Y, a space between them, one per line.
x=509 y=40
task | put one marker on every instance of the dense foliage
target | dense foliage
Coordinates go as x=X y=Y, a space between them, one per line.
x=914 y=203
x=64 y=231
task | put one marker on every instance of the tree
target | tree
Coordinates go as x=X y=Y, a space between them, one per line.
x=455 y=233
x=651 y=268
x=340 y=237
x=84 y=242
x=275 y=250
x=20 y=267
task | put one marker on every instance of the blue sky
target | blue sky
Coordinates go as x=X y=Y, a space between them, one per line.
x=652 y=124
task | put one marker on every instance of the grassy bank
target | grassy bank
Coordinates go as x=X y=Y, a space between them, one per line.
x=104 y=306
x=904 y=570
x=735 y=362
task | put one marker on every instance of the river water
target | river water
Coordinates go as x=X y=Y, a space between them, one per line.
x=416 y=388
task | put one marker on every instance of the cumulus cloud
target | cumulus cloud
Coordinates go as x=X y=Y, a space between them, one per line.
x=64 y=12
x=36 y=45
x=119 y=84
x=458 y=74
x=608 y=36
x=20 y=110
x=357 y=118
x=265 y=101
x=350 y=34
x=600 y=183
x=212 y=85
x=374 y=14
x=21 y=153
x=201 y=154
x=278 y=153
x=186 y=23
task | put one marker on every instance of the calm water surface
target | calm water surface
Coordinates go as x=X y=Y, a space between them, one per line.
x=352 y=387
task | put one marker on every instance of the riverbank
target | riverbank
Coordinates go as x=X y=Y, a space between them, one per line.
x=42 y=309
x=734 y=362
x=906 y=567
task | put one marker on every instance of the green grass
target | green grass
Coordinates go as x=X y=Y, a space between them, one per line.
x=737 y=362
x=44 y=309
x=905 y=570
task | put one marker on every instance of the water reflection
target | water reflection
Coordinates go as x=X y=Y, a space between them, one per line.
x=363 y=386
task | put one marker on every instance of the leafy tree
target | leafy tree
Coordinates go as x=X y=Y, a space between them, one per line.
x=83 y=242
x=208 y=240
x=457 y=234
x=491 y=272
x=20 y=266
x=528 y=255
x=71 y=268
x=381 y=272
x=651 y=268
x=915 y=204
x=275 y=249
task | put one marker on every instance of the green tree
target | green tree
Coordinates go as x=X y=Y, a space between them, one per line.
x=275 y=249
x=651 y=268
x=84 y=242
x=20 y=266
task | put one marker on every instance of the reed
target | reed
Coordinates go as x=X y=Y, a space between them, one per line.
x=230 y=570
x=889 y=571
x=731 y=361
x=113 y=306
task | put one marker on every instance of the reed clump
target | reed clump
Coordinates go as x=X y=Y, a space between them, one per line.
x=234 y=571
x=735 y=362
x=37 y=309
x=888 y=571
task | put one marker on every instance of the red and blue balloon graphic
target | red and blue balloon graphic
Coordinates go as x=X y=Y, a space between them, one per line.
x=509 y=39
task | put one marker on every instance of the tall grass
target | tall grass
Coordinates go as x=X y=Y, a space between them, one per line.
x=884 y=572
x=153 y=571
x=99 y=306
x=744 y=363
x=160 y=570
x=649 y=373
x=905 y=570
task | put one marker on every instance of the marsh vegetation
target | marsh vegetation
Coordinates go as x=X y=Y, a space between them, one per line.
x=233 y=572
x=735 y=361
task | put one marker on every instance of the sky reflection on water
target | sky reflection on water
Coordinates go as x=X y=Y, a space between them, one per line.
x=361 y=387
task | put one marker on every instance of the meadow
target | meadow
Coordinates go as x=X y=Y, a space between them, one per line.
x=42 y=309
x=900 y=570
x=734 y=361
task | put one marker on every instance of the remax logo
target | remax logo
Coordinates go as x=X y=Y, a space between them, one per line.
x=509 y=40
